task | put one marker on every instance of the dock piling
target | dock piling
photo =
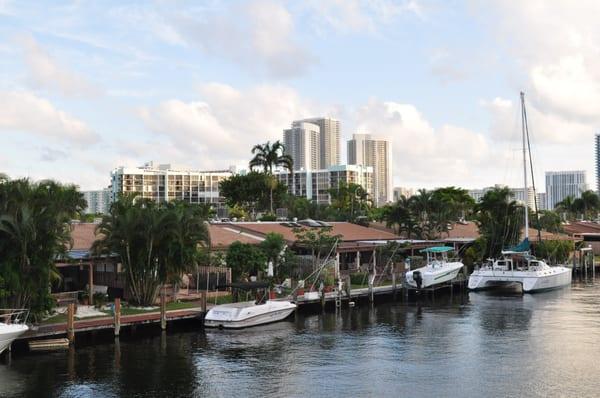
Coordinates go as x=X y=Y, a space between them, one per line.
x=71 y=322
x=163 y=310
x=203 y=301
x=117 y=316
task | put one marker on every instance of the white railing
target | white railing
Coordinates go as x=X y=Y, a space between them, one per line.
x=12 y=315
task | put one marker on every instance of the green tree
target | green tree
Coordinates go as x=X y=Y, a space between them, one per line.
x=274 y=247
x=252 y=192
x=245 y=260
x=500 y=220
x=567 y=207
x=319 y=241
x=400 y=216
x=34 y=232
x=350 y=202
x=555 y=251
x=267 y=156
x=548 y=220
x=156 y=242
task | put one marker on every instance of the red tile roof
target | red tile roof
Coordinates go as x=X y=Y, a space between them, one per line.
x=349 y=232
x=83 y=235
x=223 y=235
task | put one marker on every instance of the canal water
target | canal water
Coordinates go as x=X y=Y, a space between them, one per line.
x=474 y=345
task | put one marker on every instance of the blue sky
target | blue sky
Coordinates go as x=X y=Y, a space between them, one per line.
x=86 y=87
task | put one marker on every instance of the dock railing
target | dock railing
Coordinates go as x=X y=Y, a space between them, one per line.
x=14 y=315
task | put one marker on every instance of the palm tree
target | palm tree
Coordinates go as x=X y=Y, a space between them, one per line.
x=567 y=207
x=591 y=203
x=499 y=218
x=34 y=231
x=400 y=214
x=268 y=156
x=156 y=242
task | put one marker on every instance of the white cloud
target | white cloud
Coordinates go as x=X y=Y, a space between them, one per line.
x=47 y=73
x=422 y=154
x=22 y=111
x=224 y=123
x=257 y=34
x=347 y=16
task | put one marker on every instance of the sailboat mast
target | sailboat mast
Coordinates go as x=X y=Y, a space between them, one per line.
x=525 y=189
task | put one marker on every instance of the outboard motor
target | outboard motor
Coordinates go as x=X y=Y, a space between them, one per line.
x=417 y=278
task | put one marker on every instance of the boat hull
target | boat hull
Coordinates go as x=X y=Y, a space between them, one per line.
x=8 y=334
x=223 y=316
x=531 y=281
x=434 y=276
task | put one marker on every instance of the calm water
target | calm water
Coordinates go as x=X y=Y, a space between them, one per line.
x=477 y=345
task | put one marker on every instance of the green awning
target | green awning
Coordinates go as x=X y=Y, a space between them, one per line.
x=437 y=249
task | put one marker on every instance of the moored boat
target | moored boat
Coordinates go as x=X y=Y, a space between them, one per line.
x=12 y=326
x=248 y=313
x=438 y=269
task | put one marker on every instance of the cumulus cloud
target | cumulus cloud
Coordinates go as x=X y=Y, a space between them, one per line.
x=224 y=123
x=46 y=72
x=22 y=111
x=424 y=155
x=257 y=34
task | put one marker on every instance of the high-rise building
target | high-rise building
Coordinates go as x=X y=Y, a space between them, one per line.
x=401 y=191
x=597 y=139
x=302 y=143
x=560 y=184
x=364 y=150
x=541 y=201
x=98 y=202
x=518 y=194
x=166 y=182
x=315 y=184
x=329 y=140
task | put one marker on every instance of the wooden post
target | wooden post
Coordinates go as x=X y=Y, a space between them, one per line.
x=357 y=260
x=394 y=280
x=71 y=322
x=203 y=300
x=163 y=309
x=117 y=316
x=91 y=284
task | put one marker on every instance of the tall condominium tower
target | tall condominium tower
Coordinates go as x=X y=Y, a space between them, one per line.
x=364 y=150
x=560 y=184
x=302 y=143
x=329 y=140
x=597 y=139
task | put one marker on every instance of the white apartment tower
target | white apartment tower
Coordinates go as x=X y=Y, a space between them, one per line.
x=560 y=184
x=302 y=143
x=315 y=184
x=329 y=140
x=365 y=150
x=166 y=182
x=98 y=202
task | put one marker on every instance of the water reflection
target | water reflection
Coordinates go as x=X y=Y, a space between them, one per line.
x=477 y=344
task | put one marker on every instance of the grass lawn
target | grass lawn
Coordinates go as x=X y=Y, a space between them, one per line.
x=62 y=318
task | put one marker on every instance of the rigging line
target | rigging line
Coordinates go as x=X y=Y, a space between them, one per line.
x=537 y=214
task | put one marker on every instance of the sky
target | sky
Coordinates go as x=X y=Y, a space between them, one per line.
x=86 y=87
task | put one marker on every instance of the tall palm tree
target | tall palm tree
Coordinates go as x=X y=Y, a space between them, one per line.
x=567 y=207
x=267 y=156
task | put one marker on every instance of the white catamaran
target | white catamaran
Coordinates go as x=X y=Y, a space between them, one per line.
x=517 y=265
x=438 y=269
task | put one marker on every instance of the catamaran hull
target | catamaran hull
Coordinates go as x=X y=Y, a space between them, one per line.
x=531 y=282
x=256 y=320
x=9 y=334
x=431 y=277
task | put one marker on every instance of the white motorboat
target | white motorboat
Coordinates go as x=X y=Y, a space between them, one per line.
x=12 y=325
x=518 y=266
x=438 y=269
x=248 y=313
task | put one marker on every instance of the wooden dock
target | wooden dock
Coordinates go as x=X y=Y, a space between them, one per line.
x=61 y=329
x=371 y=293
